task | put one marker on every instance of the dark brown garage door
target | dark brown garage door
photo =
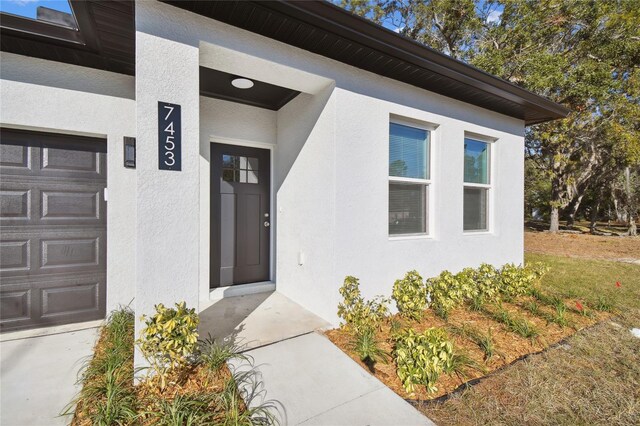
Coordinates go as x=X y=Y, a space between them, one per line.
x=53 y=229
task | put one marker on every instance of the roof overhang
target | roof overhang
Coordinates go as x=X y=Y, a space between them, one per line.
x=104 y=39
x=316 y=26
x=328 y=30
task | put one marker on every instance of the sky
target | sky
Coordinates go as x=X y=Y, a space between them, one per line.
x=493 y=16
x=27 y=8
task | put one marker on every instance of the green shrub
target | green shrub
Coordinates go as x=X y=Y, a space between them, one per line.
x=358 y=313
x=487 y=281
x=187 y=409
x=170 y=336
x=422 y=357
x=410 y=295
x=603 y=304
x=213 y=353
x=517 y=325
x=395 y=326
x=367 y=346
x=483 y=340
x=107 y=394
x=446 y=291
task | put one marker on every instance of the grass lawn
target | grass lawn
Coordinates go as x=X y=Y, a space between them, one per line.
x=594 y=378
x=589 y=279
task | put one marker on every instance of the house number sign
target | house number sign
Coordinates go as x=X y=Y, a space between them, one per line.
x=169 y=137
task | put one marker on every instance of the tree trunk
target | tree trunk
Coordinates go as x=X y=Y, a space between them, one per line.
x=572 y=208
x=631 y=205
x=594 y=212
x=554 y=226
x=621 y=215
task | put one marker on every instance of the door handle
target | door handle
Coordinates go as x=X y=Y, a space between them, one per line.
x=266 y=224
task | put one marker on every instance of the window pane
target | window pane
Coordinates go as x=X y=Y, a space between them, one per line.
x=239 y=169
x=476 y=161
x=475 y=209
x=407 y=209
x=408 y=152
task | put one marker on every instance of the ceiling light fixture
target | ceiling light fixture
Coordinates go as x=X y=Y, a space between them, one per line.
x=242 y=83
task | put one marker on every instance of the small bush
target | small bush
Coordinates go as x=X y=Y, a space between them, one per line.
x=459 y=363
x=560 y=316
x=517 y=325
x=213 y=353
x=422 y=357
x=533 y=307
x=367 y=346
x=517 y=280
x=410 y=295
x=603 y=304
x=483 y=340
x=395 y=326
x=170 y=336
x=186 y=409
x=486 y=278
x=355 y=311
x=107 y=395
x=446 y=292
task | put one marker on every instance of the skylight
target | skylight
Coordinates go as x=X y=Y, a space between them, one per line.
x=56 y=12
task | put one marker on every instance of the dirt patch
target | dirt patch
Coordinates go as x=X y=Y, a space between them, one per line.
x=508 y=345
x=583 y=245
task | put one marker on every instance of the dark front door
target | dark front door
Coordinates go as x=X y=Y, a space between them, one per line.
x=240 y=214
x=53 y=229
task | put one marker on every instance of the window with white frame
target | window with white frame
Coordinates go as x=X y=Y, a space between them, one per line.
x=477 y=184
x=409 y=179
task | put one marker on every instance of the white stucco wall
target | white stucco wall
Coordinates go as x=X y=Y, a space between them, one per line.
x=306 y=208
x=331 y=162
x=364 y=248
x=168 y=202
x=50 y=96
x=329 y=157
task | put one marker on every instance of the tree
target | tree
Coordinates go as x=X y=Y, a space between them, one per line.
x=582 y=54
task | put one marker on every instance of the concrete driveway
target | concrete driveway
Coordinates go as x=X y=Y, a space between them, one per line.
x=38 y=375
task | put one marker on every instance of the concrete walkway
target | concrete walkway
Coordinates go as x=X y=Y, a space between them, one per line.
x=319 y=385
x=257 y=319
x=38 y=375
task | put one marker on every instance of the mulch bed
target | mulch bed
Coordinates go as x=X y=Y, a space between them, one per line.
x=190 y=380
x=509 y=346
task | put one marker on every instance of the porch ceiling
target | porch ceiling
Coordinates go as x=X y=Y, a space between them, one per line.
x=217 y=84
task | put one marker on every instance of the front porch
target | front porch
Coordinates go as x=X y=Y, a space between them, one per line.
x=256 y=320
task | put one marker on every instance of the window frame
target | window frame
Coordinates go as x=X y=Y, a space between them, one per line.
x=426 y=184
x=488 y=187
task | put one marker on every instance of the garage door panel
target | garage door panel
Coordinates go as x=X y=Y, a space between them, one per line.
x=15 y=255
x=16 y=305
x=70 y=299
x=33 y=202
x=70 y=253
x=53 y=229
x=70 y=205
x=39 y=252
x=30 y=301
x=15 y=204
x=55 y=159
x=15 y=156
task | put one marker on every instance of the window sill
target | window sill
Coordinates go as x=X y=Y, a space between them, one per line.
x=410 y=237
x=477 y=233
